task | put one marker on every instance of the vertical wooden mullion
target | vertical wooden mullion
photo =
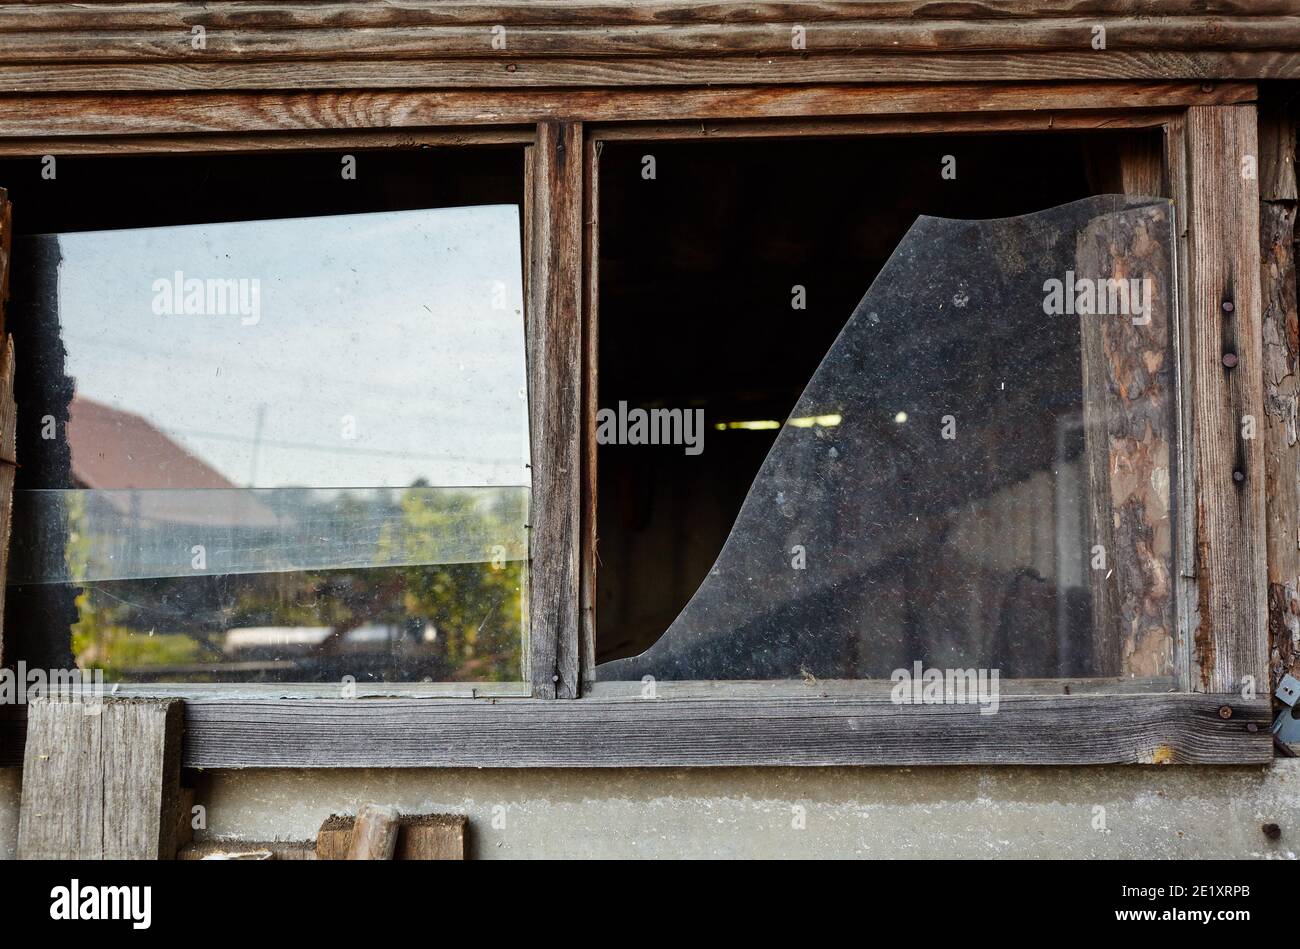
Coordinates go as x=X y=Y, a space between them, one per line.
x=1224 y=307
x=526 y=227
x=555 y=410
x=590 y=378
x=1186 y=593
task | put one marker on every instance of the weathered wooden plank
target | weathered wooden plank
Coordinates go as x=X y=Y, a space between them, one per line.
x=433 y=837
x=140 y=747
x=51 y=117
x=874 y=125
x=1069 y=729
x=1230 y=642
x=1135 y=166
x=334 y=839
x=183 y=822
x=467 y=136
x=270 y=691
x=419 y=837
x=374 y=833
x=771 y=38
x=101 y=781
x=555 y=366
x=774 y=128
x=114 y=15
x=739 y=689
x=826 y=726
x=498 y=73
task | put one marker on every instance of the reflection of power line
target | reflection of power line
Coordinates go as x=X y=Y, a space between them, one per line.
x=331 y=449
x=351 y=379
x=447 y=412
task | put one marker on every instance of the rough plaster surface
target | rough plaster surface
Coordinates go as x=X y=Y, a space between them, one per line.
x=11 y=783
x=1157 y=812
x=754 y=812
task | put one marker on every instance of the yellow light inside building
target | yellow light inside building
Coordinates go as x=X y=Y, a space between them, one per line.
x=761 y=425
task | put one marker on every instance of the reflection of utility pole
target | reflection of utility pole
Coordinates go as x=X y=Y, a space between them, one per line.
x=257 y=444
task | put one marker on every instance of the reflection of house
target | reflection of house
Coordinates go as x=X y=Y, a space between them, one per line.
x=149 y=477
x=149 y=505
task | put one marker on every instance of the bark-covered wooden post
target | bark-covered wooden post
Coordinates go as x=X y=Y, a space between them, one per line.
x=1128 y=381
x=1277 y=223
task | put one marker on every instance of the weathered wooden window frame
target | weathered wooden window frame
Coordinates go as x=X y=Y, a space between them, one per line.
x=1221 y=642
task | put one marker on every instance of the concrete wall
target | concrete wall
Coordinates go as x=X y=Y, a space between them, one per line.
x=11 y=780
x=752 y=812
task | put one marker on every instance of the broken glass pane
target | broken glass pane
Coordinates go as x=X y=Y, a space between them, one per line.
x=285 y=450
x=979 y=475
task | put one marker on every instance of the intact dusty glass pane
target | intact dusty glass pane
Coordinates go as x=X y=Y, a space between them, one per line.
x=980 y=474
x=287 y=450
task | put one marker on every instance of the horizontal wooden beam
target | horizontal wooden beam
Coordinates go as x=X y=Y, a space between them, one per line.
x=876 y=125
x=271 y=141
x=716 y=732
x=772 y=38
x=722 y=730
x=52 y=117
x=519 y=73
x=307 y=14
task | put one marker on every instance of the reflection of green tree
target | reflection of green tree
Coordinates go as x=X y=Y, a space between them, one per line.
x=475 y=611
x=106 y=635
x=475 y=607
x=98 y=627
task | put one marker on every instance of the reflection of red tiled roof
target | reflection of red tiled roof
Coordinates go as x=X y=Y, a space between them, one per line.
x=116 y=449
x=113 y=450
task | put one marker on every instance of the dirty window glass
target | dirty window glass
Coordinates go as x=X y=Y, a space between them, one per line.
x=979 y=475
x=284 y=450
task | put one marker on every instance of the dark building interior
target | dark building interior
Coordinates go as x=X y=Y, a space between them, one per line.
x=698 y=270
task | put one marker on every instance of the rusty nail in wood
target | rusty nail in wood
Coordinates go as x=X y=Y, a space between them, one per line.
x=1227 y=306
x=1230 y=360
x=1225 y=711
x=511 y=67
x=1272 y=831
x=1239 y=476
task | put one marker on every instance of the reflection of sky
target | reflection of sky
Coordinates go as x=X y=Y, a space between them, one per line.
x=385 y=318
